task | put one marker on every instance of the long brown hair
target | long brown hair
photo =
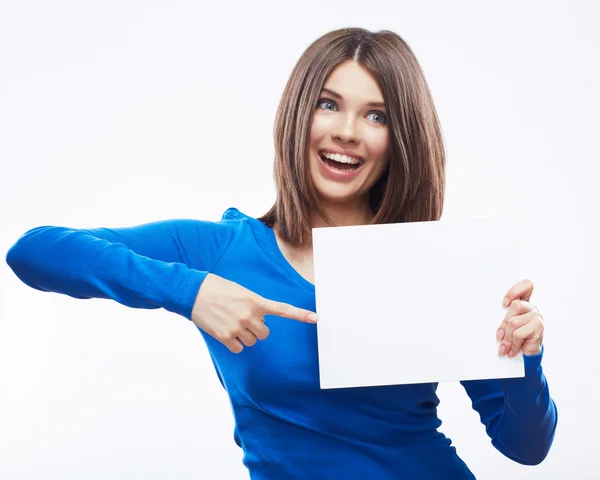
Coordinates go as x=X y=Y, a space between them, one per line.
x=412 y=187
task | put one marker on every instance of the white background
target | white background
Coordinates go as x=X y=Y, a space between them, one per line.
x=119 y=113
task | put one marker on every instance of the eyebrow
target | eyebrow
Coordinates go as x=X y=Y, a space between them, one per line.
x=338 y=96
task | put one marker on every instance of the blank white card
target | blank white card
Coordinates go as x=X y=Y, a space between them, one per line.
x=413 y=302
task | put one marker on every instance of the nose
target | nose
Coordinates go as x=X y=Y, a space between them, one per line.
x=345 y=129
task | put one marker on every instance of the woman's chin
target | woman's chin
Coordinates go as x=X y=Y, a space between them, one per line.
x=337 y=195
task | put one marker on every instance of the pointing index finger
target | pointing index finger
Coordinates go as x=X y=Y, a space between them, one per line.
x=289 y=311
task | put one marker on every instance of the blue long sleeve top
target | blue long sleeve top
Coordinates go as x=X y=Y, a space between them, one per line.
x=286 y=425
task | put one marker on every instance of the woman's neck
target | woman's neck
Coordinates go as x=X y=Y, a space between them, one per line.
x=340 y=215
x=344 y=215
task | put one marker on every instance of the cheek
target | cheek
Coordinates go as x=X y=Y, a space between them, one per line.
x=378 y=143
x=378 y=150
x=319 y=128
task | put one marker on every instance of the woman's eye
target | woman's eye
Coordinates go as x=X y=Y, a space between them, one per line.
x=377 y=117
x=327 y=105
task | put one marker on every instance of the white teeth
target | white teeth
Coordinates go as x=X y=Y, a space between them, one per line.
x=341 y=158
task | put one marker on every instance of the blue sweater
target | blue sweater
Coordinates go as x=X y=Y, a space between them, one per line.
x=286 y=425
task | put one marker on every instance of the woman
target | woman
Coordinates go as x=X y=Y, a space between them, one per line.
x=357 y=142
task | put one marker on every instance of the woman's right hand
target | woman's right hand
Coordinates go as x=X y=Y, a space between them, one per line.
x=234 y=315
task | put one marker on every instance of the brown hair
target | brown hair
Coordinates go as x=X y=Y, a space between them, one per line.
x=412 y=187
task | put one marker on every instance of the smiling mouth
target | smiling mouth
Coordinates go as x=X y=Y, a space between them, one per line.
x=342 y=163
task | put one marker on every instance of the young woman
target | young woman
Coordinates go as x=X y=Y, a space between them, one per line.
x=357 y=142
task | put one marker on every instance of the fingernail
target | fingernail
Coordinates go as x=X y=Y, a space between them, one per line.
x=312 y=317
x=502 y=349
x=506 y=302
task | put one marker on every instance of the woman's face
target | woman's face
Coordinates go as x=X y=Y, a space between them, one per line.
x=349 y=136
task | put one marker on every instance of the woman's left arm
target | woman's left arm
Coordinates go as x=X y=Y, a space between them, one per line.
x=518 y=413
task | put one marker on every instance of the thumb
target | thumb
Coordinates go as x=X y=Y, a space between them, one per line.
x=289 y=311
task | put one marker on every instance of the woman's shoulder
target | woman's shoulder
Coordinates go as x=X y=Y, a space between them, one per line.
x=233 y=214
x=248 y=228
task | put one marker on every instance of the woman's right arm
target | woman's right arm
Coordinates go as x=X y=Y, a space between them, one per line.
x=159 y=264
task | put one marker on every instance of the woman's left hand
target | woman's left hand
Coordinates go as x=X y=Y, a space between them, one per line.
x=522 y=327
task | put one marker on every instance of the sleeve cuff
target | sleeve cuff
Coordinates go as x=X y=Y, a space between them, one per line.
x=189 y=292
x=533 y=362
